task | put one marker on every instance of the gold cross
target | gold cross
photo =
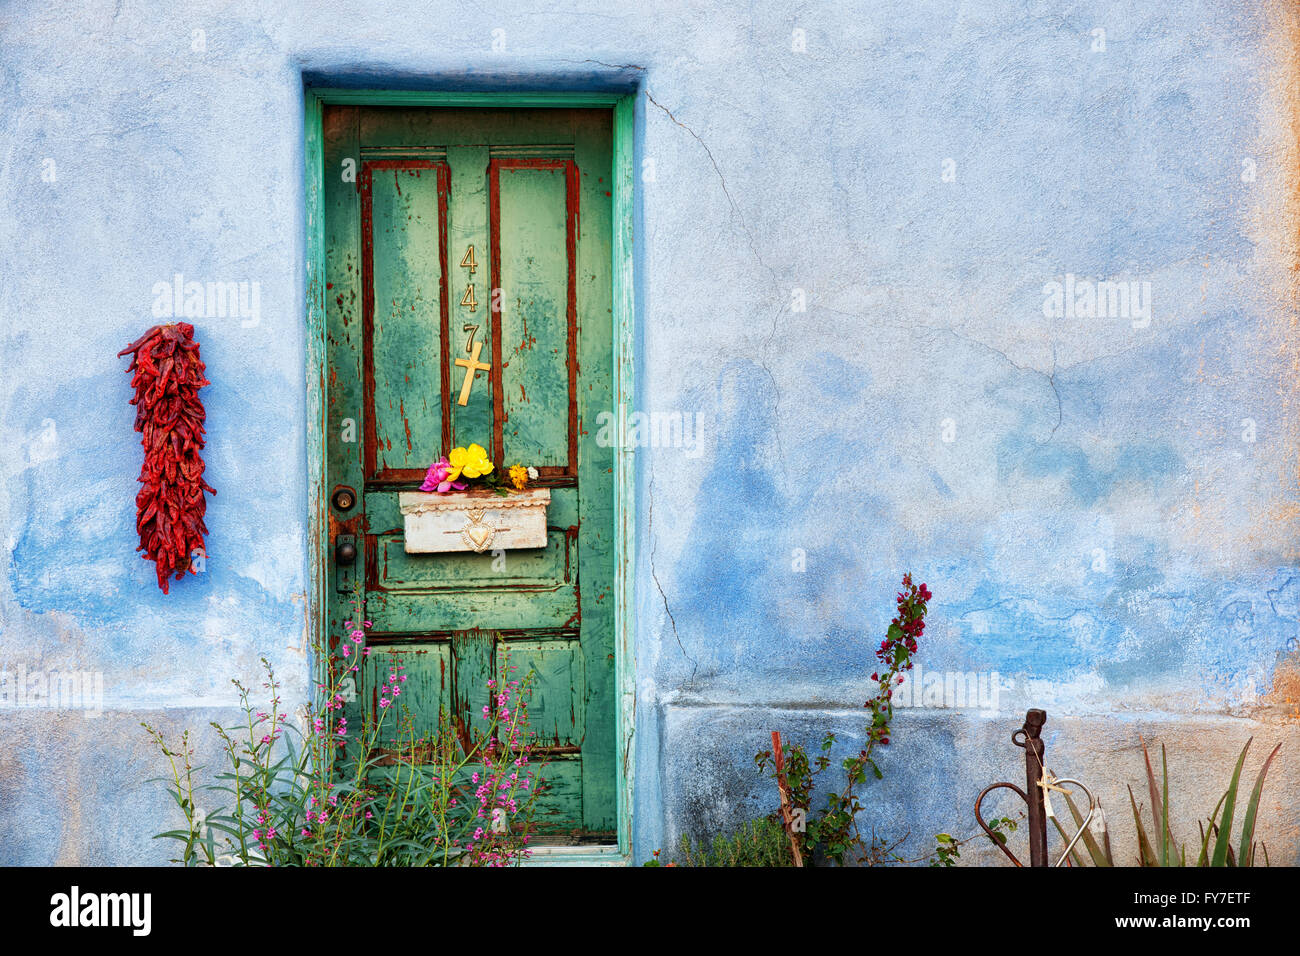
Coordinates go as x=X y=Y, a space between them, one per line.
x=470 y=365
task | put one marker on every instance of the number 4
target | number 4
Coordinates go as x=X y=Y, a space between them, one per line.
x=468 y=298
x=467 y=262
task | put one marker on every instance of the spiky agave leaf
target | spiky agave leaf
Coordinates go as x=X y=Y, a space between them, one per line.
x=1204 y=858
x=1223 y=841
x=1076 y=860
x=1105 y=835
x=1160 y=846
x=1099 y=858
x=1146 y=855
x=1246 y=853
x=1168 y=835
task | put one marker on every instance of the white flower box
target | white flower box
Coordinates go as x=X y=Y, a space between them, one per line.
x=477 y=520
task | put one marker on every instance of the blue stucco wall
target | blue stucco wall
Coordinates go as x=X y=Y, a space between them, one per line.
x=1076 y=491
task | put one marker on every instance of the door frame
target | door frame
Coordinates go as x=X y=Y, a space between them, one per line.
x=622 y=106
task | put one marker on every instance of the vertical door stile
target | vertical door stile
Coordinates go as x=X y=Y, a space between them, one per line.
x=497 y=303
x=571 y=319
x=368 y=439
x=444 y=312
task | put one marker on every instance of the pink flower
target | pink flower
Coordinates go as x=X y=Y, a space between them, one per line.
x=437 y=478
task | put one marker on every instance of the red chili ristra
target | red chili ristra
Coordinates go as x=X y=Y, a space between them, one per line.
x=169 y=414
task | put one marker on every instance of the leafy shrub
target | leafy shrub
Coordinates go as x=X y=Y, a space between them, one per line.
x=757 y=843
x=382 y=794
x=833 y=834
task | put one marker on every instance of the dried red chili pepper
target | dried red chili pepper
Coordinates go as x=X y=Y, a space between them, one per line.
x=169 y=414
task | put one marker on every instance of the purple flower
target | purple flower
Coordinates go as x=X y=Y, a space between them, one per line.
x=438 y=477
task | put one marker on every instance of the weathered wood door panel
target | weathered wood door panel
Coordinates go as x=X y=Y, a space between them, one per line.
x=478 y=237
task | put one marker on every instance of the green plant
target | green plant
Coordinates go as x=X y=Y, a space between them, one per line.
x=1096 y=845
x=764 y=842
x=833 y=833
x=1159 y=848
x=759 y=842
x=947 y=849
x=382 y=794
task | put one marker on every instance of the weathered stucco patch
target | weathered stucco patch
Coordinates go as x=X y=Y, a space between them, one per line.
x=1274 y=227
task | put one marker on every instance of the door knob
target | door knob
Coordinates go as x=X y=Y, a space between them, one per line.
x=345 y=557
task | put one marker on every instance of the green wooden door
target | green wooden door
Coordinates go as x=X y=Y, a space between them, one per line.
x=456 y=239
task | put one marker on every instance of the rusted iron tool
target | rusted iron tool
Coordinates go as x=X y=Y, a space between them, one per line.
x=1038 y=781
x=1030 y=738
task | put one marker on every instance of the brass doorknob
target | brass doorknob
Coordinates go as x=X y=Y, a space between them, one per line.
x=345 y=551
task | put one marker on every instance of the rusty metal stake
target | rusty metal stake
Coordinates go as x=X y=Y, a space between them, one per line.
x=1034 y=749
x=1030 y=738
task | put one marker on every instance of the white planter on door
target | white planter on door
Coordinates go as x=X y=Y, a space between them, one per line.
x=473 y=520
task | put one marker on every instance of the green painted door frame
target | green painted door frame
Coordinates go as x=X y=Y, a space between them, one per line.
x=621 y=107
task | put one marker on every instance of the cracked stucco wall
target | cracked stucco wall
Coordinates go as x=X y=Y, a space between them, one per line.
x=1077 y=491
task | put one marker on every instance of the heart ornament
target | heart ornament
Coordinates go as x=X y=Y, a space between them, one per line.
x=1047 y=782
x=1050 y=783
x=478 y=533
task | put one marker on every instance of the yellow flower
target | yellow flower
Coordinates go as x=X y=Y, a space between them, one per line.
x=471 y=462
x=519 y=476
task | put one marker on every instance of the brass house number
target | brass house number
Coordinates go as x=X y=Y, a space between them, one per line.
x=471 y=365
